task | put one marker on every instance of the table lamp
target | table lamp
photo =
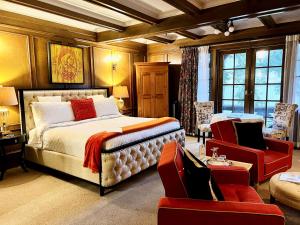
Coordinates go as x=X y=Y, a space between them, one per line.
x=120 y=92
x=7 y=98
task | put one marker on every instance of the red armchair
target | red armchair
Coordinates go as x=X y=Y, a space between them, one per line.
x=277 y=158
x=242 y=204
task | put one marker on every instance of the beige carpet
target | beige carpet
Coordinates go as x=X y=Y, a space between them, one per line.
x=41 y=198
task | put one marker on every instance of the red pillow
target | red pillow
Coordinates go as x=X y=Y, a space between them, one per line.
x=224 y=131
x=83 y=109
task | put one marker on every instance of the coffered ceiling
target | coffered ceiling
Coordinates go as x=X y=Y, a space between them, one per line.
x=156 y=20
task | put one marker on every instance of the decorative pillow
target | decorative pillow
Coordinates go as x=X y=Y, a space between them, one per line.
x=106 y=107
x=224 y=131
x=200 y=183
x=83 y=109
x=46 y=113
x=49 y=98
x=96 y=97
x=250 y=134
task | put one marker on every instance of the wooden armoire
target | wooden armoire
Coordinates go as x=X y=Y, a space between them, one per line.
x=152 y=89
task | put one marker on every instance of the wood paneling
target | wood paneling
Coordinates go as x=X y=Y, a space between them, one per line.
x=102 y=67
x=164 y=53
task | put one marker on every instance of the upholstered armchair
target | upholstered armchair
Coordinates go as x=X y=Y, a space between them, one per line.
x=283 y=117
x=204 y=113
x=276 y=158
x=242 y=205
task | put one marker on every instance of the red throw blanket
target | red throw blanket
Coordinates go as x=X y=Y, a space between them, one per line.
x=93 y=146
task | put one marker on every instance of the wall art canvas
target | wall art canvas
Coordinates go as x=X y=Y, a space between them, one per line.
x=66 y=64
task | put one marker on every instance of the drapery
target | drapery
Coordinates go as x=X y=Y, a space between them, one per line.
x=203 y=74
x=188 y=84
x=291 y=89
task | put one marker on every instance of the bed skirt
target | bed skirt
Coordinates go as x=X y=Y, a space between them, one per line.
x=117 y=165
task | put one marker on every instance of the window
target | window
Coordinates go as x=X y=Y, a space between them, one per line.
x=250 y=81
x=234 y=74
x=267 y=82
x=204 y=78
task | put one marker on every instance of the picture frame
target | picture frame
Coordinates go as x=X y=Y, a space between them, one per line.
x=65 y=64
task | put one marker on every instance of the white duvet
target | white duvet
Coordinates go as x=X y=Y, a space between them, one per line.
x=70 y=137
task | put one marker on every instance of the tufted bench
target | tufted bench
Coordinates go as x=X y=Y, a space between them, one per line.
x=287 y=193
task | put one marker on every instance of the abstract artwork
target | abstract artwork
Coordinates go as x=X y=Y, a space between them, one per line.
x=66 y=64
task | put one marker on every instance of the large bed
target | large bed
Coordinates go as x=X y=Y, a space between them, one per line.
x=61 y=146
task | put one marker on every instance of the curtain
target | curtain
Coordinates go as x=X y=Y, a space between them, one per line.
x=203 y=74
x=188 y=84
x=290 y=87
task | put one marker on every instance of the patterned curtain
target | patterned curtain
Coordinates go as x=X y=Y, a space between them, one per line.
x=188 y=84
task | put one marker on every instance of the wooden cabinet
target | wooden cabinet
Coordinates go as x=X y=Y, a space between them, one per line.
x=152 y=89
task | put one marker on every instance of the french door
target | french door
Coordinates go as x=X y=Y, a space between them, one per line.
x=251 y=81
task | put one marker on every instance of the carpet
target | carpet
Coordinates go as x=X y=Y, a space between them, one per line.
x=40 y=197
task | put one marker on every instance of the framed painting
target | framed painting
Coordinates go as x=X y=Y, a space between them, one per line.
x=65 y=64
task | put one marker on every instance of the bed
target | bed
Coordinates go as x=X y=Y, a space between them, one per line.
x=61 y=146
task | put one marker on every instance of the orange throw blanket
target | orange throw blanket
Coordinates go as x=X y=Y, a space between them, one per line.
x=93 y=146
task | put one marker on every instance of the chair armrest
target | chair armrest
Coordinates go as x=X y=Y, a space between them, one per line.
x=240 y=153
x=230 y=175
x=280 y=145
x=189 y=211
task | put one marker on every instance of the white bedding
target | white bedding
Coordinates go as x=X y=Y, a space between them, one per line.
x=70 y=137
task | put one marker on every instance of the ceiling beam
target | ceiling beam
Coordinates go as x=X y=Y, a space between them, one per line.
x=268 y=21
x=244 y=35
x=184 y=6
x=68 y=13
x=118 y=7
x=235 y=10
x=189 y=34
x=160 y=40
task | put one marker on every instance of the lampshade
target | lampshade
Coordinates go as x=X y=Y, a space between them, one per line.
x=120 y=92
x=8 y=96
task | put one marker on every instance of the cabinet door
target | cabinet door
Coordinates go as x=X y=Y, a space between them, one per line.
x=145 y=103
x=160 y=93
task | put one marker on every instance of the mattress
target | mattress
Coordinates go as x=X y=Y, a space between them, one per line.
x=70 y=138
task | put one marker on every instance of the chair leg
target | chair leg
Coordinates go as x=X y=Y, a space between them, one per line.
x=198 y=135
x=203 y=136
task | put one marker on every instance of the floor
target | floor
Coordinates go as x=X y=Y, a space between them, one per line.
x=38 y=197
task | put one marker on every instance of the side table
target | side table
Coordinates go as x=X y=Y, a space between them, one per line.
x=12 y=152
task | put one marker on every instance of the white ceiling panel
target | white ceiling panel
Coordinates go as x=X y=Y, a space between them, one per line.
x=286 y=17
x=247 y=23
x=23 y=10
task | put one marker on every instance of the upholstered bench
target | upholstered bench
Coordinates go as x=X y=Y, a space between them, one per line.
x=287 y=193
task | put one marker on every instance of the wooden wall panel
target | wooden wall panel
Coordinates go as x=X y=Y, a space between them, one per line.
x=15 y=69
x=102 y=67
x=164 y=53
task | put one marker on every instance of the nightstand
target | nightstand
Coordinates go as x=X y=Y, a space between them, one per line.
x=126 y=112
x=12 y=152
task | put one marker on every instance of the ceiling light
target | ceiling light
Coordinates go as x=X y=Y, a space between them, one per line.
x=230 y=26
x=226 y=33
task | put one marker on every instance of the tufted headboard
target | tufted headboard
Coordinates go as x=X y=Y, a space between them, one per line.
x=28 y=96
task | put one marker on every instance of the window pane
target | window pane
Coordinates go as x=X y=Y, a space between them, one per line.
x=269 y=122
x=226 y=106
x=240 y=60
x=227 y=76
x=274 y=92
x=270 y=108
x=239 y=76
x=239 y=91
x=227 y=91
x=260 y=108
x=260 y=92
x=228 y=61
x=275 y=75
x=261 y=76
x=276 y=57
x=261 y=58
x=238 y=106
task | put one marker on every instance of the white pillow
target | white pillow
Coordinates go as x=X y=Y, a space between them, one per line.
x=46 y=113
x=49 y=98
x=106 y=107
x=96 y=97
